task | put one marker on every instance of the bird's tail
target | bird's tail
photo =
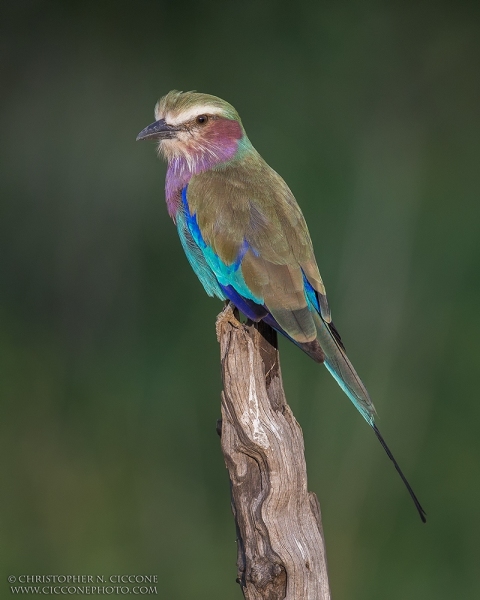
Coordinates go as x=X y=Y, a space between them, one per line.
x=345 y=375
x=342 y=369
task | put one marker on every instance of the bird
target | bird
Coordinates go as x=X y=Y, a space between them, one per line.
x=245 y=236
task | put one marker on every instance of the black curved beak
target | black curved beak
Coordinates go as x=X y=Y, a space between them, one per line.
x=158 y=130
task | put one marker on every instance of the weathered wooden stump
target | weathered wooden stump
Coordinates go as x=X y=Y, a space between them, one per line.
x=281 y=548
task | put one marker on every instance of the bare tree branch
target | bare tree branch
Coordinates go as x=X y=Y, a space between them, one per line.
x=281 y=548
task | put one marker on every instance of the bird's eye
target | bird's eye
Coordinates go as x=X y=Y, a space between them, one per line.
x=202 y=119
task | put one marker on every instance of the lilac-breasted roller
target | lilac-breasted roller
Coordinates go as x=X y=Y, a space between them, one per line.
x=245 y=236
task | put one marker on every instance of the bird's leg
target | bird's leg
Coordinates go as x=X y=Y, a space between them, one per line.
x=229 y=314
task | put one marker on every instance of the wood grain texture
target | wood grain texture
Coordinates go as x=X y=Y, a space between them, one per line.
x=281 y=548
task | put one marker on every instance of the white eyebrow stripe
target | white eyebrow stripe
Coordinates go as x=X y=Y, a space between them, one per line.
x=186 y=115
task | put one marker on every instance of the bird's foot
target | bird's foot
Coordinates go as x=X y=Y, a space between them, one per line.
x=230 y=315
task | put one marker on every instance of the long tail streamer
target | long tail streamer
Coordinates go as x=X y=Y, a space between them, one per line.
x=421 y=512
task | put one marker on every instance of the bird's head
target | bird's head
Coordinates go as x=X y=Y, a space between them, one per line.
x=202 y=129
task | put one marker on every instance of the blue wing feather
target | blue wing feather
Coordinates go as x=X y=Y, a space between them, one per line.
x=215 y=275
x=196 y=258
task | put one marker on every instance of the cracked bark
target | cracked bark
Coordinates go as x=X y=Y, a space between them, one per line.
x=280 y=543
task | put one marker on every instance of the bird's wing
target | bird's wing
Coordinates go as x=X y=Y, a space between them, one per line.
x=254 y=238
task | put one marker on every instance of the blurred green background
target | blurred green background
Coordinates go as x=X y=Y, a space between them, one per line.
x=109 y=366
